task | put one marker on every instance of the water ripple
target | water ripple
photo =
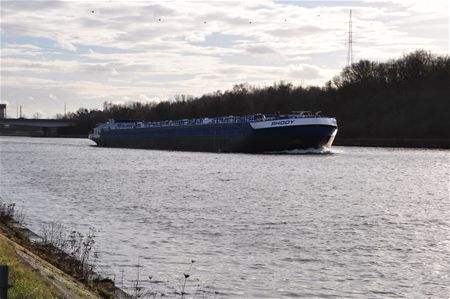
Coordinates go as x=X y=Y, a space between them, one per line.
x=354 y=223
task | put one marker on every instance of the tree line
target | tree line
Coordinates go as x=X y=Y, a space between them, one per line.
x=406 y=97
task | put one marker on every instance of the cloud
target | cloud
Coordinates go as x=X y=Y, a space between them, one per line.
x=64 y=44
x=52 y=96
x=123 y=50
x=21 y=50
x=259 y=49
x=143 y=98
x=156 y=10
x=305 y=71
x=114 y=72
x=292 y=32
x=32 y=6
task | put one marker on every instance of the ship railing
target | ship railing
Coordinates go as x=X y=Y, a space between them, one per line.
x=111 y=125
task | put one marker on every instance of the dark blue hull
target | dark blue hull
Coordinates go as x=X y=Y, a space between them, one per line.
x=237 y=137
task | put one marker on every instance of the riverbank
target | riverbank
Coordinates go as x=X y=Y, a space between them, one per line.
x=32 y=277
x=432 y=143
x=39 y=134
x=394 y=142
x=39 y=270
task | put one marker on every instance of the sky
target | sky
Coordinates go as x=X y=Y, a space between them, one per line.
x=83 y=53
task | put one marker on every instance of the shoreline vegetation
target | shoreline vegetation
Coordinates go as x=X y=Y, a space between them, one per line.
x=431 y=143
x=403 y=102
x=39 y=269
x=25 y=281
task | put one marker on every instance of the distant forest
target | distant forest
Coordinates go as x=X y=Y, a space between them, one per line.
x=407 y=97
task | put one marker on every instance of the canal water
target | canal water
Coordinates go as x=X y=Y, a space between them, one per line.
x=355 y=223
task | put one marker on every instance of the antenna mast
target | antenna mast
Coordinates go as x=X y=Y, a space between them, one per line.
x=350 y=42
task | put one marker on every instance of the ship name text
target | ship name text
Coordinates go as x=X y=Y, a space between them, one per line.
x=282 y=122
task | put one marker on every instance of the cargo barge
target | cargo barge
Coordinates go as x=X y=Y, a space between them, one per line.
x=248 y=134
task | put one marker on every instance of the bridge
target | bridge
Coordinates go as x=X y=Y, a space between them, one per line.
x=33 y=127
x=42 y=123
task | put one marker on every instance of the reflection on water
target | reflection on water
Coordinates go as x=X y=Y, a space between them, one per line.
x=358 y=223
x=312 y=151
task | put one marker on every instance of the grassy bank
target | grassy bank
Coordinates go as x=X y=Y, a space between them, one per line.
x=55 y=270
x=25 y=281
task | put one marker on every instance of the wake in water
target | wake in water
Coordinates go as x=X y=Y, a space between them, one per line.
x=308 y=151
